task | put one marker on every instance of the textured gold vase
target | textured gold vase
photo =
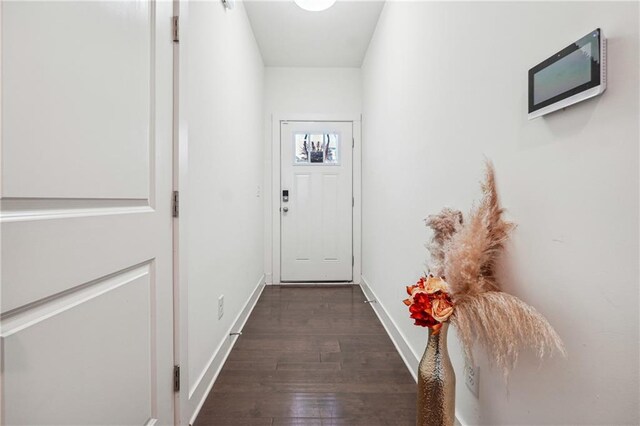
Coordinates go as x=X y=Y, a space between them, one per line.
x=436 y=383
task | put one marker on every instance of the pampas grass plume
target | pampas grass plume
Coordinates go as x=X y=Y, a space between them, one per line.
x=444 y=225
x=466 y=254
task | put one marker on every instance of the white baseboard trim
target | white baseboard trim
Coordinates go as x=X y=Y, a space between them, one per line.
x=198 y=394
x=410 y=358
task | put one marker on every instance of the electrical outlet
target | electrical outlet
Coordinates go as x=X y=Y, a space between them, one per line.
x=220 y=306
x=258 y=191
x=472 y=379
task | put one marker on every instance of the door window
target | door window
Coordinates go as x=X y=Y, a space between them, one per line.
x=316 y=148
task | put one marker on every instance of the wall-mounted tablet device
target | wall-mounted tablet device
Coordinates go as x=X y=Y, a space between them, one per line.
x=575 y=73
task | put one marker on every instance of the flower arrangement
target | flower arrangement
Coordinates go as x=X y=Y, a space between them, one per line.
x=466 y=252
x=429 y=302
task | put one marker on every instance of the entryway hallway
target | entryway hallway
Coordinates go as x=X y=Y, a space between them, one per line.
x=161 y=164
x=312 y=356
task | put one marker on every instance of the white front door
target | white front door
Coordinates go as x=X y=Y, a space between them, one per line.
x=316 y=201
x=86 y=321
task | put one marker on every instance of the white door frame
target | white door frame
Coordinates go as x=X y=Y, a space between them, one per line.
x=273 y=207
x=180 y=180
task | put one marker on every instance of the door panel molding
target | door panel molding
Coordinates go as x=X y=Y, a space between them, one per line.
x=17 y=209
x=107 y=97
x=25 y=316
x=95 y=321
x=70 y=252
x=329 y=218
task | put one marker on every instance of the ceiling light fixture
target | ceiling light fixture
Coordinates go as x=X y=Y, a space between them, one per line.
x=315 y=5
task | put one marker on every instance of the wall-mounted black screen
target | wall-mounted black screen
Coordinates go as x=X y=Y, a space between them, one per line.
x=572 y=70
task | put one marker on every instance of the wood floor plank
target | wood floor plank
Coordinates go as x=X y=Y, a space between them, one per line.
x=363 y=421
x=317 y=376
x=281 y=355
x=297 y=421
x=306 y=366
x=310 y=404
x=289 y=387
x=242 y=421
x=312 y=356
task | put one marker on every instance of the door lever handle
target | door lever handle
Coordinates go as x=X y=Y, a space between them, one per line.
x=285 y=209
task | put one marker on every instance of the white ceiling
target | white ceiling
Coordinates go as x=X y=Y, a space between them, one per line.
x=291 y=37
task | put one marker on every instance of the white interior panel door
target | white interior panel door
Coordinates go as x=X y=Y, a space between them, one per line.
x=86 y=322
x=316 y=204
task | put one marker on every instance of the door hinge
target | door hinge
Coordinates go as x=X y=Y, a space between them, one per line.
x=176 y=378
x=353 y=260
x=176 y=204
x=353 y=143
x=176 y=29
x=353 y=202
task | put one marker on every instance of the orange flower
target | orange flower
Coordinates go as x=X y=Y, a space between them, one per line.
x=412 y=289
x=441 y=309
x=435 y=284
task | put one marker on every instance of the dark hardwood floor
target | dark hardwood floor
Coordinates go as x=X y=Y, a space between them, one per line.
x=312 y=356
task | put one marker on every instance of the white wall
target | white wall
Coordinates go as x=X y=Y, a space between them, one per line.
x=308 y=91
x=313 y=90
x=444 y=84
x=223 y=209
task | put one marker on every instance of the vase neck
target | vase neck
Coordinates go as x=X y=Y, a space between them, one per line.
x=439 y=340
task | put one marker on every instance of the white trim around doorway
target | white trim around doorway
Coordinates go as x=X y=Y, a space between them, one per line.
x=273 y=203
